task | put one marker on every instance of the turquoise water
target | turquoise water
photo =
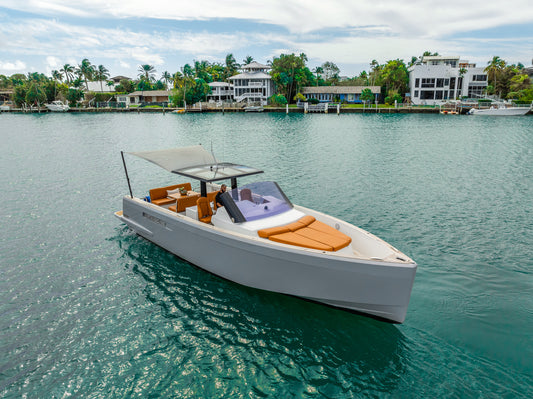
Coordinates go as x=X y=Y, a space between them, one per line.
x=89 y=309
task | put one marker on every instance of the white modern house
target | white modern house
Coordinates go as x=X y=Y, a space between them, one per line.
x=436 y=79
x=254 y=84
x=220 y=91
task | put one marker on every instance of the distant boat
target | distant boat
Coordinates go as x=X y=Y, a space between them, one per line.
x=500 y=110
x=254 y=108
x=6 y=106
x=57 y=106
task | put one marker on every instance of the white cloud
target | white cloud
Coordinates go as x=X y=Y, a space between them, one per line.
x=17 y=66
x=413 y=18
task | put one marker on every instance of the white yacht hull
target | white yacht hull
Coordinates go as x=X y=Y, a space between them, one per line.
x=516 y=111
x=374 y=287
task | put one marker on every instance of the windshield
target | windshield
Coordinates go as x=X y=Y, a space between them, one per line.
x=260 y=200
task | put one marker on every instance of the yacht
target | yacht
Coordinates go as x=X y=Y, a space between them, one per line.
x=500 y=110
x=260 y=239
x=57 y=106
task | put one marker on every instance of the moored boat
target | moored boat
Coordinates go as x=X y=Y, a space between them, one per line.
x=261 y=240
x=57 y=106
x=500 y=110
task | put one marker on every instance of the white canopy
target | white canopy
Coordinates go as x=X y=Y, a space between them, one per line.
x=178 y=158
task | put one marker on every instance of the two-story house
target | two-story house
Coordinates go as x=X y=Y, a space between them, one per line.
x=437 y=79
x=254 y=84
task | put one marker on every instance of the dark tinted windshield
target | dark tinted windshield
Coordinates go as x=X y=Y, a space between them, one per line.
x=260 y=200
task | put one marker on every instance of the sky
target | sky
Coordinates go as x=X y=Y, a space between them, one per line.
x=43 y=35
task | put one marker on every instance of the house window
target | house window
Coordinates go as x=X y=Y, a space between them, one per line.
x=427 y=95
x=446 y=82
x=428 y=82
x=416 y=93
x=417 y=82
x=438 y=95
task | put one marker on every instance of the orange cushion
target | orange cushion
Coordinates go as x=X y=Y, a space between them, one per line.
x=161 y=192
x=207 y=219
x=307 y=220
x=300 y=241
x=265 y=233
x=323 y=227
x=335 y=241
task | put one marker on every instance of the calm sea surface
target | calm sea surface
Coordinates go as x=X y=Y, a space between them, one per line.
x=89 y=309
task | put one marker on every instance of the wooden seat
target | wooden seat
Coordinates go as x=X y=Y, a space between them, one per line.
x=204 y=210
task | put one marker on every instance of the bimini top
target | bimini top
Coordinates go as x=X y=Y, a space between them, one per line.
x=195 y=162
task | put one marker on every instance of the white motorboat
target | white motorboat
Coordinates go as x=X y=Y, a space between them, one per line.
x=500 y=110
x=254 y=108
x=261 y=240
x=57 y=106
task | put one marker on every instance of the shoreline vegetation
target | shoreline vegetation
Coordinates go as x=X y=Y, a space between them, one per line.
x=289 y=73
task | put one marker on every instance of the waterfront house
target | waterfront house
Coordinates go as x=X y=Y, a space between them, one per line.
x=254 y=84
x=220 y=91
x=118 y=78
x=437 y=79
x=100 y=87
x=146 y=97
x=345 y=94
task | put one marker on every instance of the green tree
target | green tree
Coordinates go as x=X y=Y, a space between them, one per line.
x=201 y=70
x=19 y=94
x=277 y=99
x=318 y=71
x=216 y=71
x=330 y=72
x=146 y=72
x=101 y=74
x=231 y=66
x=68 y=72
x=300 y=97
x=248 y=60
x=290 y=74
x=125 y=86
x=493 y=69
x=367 y=95
x=86 y=71
x=74 y=95
x=166 y=77
x=394 y=76
x=35 y=95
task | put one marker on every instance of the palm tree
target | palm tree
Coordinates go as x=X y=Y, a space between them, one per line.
x=318 y=70
x=147 y=72
x=248 y=60
x=231 y=65
x=101 y=74
x=166 y=77
x=68 y=72
x=494 y=67
x=462 y=72
x=56 y=75
x=86 y=70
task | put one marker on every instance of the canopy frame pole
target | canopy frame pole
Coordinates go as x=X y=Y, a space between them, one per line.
x=126 y=170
